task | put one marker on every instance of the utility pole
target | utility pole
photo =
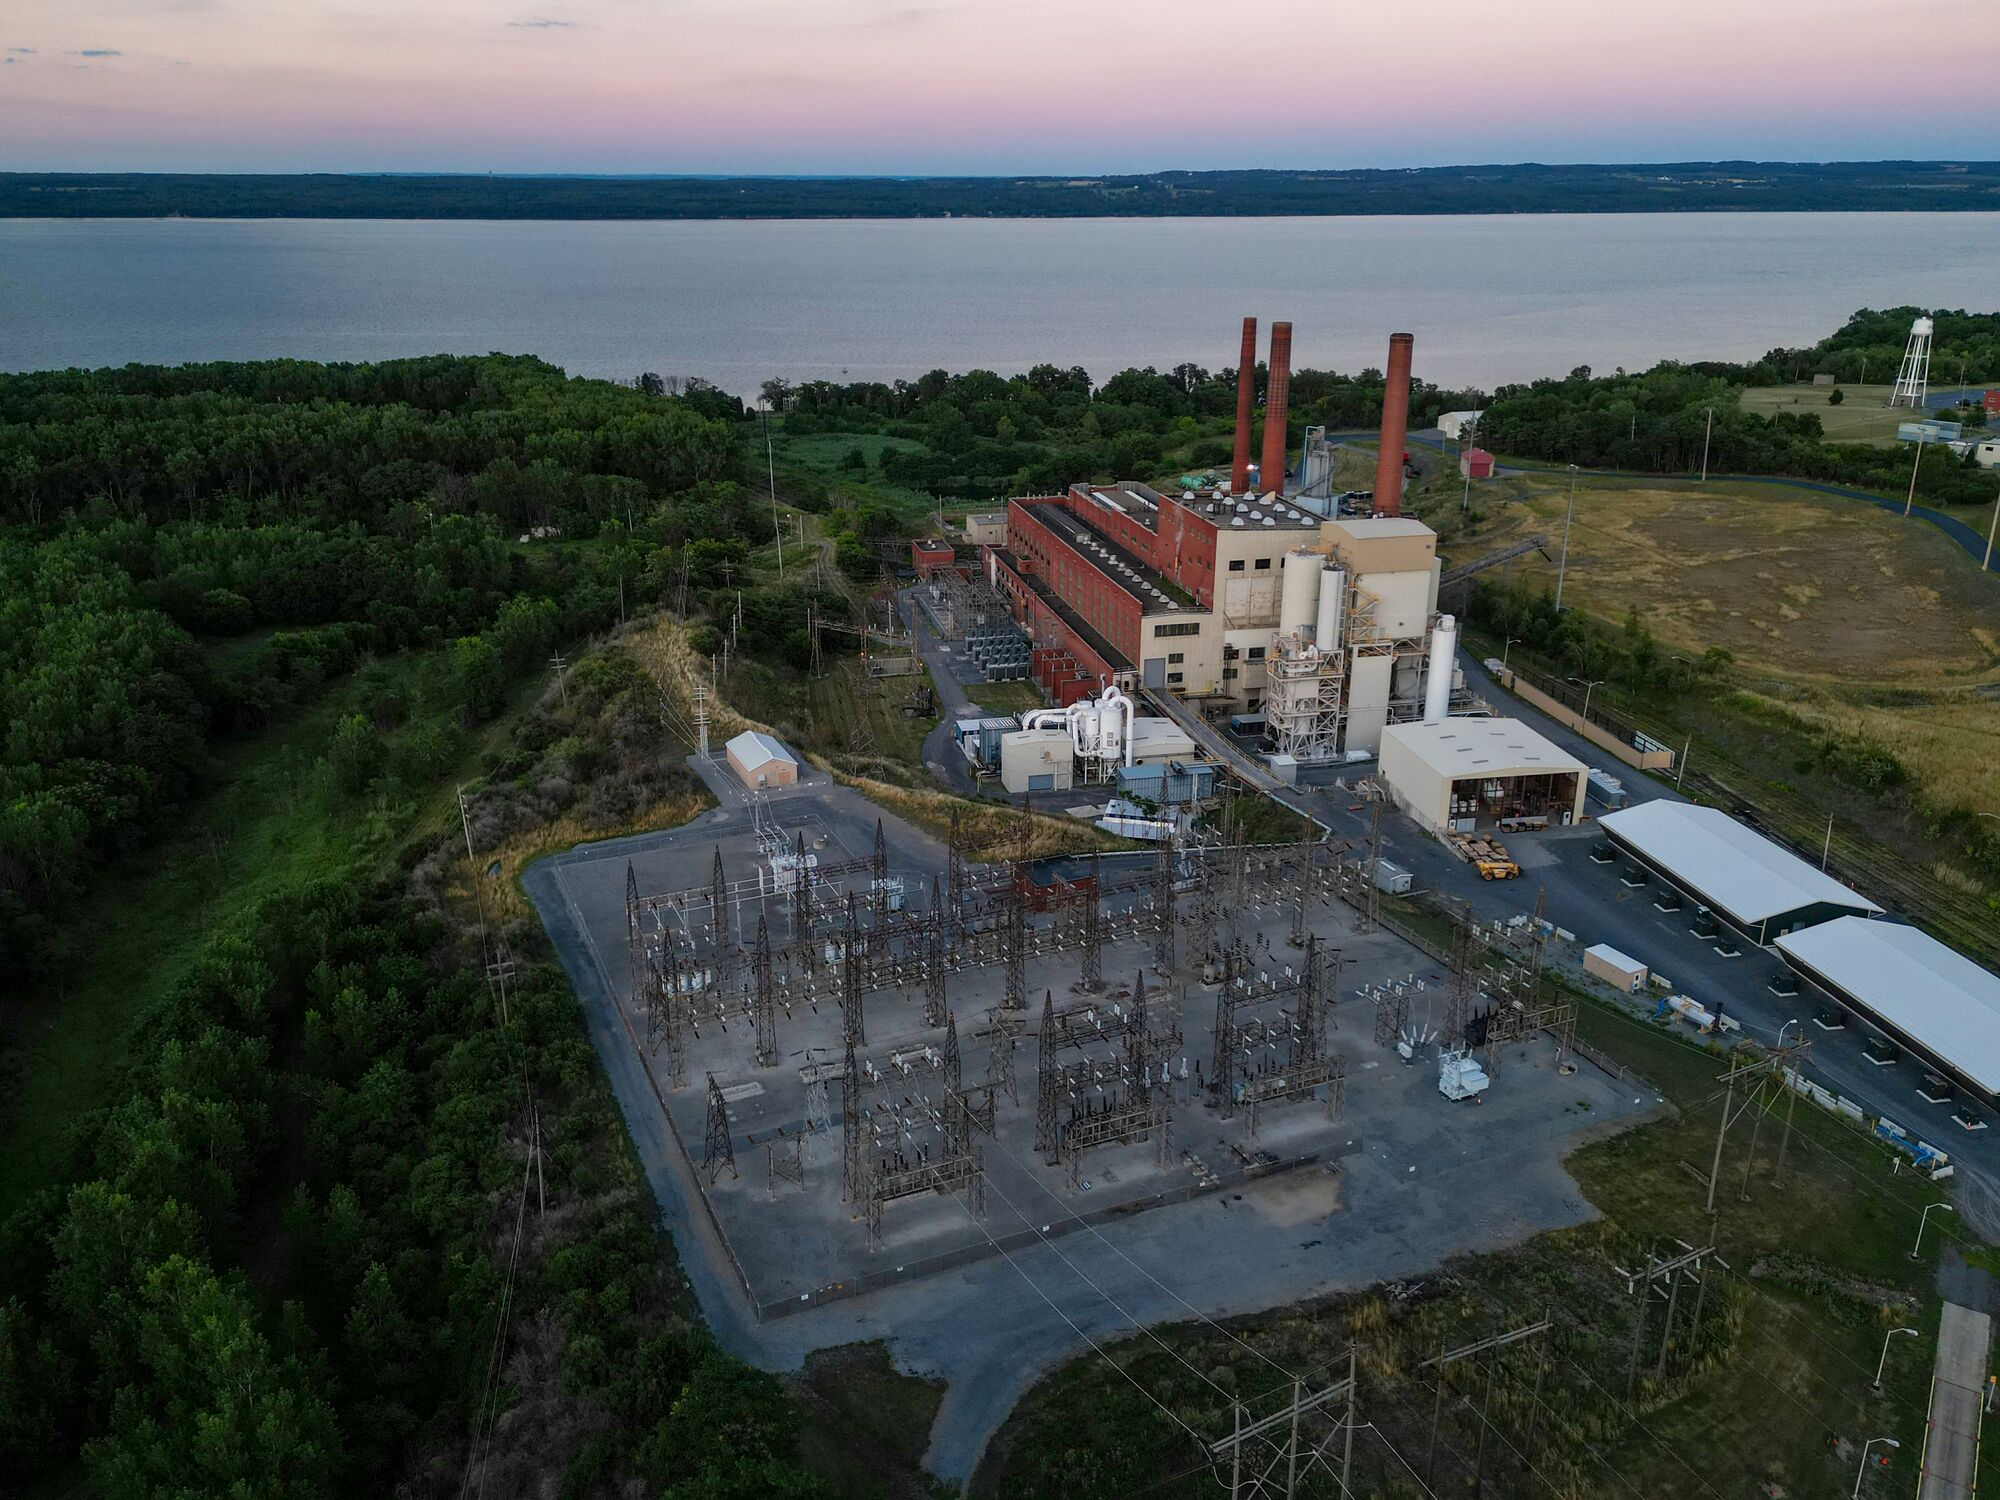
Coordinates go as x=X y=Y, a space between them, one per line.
x=1562 y=566
x=1991 y=527
x=1826 y=844
x=1771 y=1066
x=771 y=471
x=1280 y=1448
x=1910 y=500
x=1707 y=433
x=560 y=666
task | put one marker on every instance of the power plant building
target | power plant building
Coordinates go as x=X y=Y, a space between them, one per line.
x=1757 y=887
x=1241 y=601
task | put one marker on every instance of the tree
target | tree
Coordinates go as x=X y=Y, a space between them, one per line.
x=482 y=678
x=1835 y=396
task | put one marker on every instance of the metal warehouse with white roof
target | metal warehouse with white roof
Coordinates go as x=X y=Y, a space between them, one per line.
x=1466 y=772
x=1934 y=1002
x=1759 y=888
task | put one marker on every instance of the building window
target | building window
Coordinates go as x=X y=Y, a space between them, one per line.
x=1255 y=704
x=1229 y=674
x=1184 y=627
x=1175 y=658
x=1256 y=653
x=1236 y=565
x=1174 y=677
x=1263 y=565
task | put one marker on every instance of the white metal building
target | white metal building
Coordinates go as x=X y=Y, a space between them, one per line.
x=1037 y=760
x=1456 y=424
x=761 y=761
x=1929 y=999
x=1472 y=771
x=1759 y=888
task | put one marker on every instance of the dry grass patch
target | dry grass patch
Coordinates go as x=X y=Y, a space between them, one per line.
x=1797 y=585
x=989 y=831
x=1949 y=743
x=500 y=867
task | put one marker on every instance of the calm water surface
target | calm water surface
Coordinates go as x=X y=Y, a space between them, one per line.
x=1490 y=299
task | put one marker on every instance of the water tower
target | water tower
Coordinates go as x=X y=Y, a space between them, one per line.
x=1914 y=378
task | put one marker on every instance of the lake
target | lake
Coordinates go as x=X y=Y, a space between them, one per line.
x=1490 y=299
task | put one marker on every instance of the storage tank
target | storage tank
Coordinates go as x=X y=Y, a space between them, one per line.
x=1301 y=591
x=1437 y=683
x=1332 y=609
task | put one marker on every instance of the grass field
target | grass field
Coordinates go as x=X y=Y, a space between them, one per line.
x=1802 y=586
x=1007 y=697
x=1863 y=416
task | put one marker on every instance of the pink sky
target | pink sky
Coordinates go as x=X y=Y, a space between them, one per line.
x=886 y=86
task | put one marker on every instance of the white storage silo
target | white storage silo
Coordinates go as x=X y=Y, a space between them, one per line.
x=1332 y=609
x=1300 y=595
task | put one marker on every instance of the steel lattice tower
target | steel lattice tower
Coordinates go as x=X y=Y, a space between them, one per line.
x=766 y=1008
x=716 y=1151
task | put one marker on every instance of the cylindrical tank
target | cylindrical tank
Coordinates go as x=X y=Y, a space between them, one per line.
x=1332 y=609
x=1300 y=593
x=1437 y=684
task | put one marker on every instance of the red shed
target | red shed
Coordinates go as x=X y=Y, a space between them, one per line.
x=1475 y=463
x=1993 y=403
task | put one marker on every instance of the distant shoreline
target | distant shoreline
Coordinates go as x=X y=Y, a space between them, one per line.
x=1677 y=187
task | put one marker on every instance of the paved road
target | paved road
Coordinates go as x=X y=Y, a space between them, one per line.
x=1586 y=899
x=1958 y=1385
x=943 y=757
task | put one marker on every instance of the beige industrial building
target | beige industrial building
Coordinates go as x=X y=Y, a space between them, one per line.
x=760 y=761
x=1037 y=760
x=1467 y=773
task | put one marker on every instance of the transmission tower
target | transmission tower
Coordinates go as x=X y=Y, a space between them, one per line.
x=850 y=1125
x=934 y=962
x=716 y=1150
x=725 y=950
x=1093 y=931
x=1045 y=1091
x=852 y=1024
x=1000 y=1061
x=1163 y=905
x=766 y=1008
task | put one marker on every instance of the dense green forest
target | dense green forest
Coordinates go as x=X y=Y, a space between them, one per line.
x=301 y=1240
x=1725 y=186
x=1658 y=421
x=980 y=434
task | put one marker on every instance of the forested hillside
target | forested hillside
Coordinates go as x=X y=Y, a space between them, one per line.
x=297 y=1201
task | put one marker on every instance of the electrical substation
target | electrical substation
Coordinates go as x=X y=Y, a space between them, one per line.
x=883 y=1060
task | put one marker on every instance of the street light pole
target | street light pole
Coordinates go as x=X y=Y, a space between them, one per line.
x=1509 y=647
x=1707 y=433
x=1884 y=1360
x=1785 y=1028
x=1861 y=1472
x=1991 y=527
x=1925 y=1220
x=1911 y=499
x=771 y=472
x=1588 y=688
x=1562 y=567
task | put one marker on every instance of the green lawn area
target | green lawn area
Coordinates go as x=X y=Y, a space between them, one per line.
x=1007 y=697
x=826 y=450
x=1863 y=416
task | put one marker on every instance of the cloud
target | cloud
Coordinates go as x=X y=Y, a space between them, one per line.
x=97 y=52
x=540 y=23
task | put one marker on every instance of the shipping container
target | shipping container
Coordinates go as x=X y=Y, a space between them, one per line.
x=1602 y=961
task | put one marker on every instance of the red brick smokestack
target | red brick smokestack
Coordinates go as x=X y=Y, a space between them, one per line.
x=1277 y=405
x=1246 y=401
x=1395 y=427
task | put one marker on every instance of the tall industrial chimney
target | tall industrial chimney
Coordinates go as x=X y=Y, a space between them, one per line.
x=1246 y=402
x=1395 y=427
x=1277 y=406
